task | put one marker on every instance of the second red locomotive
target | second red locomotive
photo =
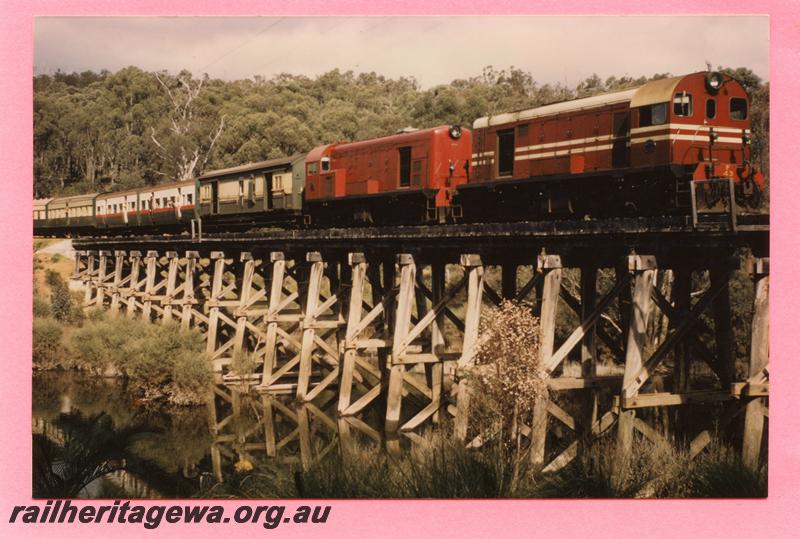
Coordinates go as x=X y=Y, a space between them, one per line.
x=406 y=178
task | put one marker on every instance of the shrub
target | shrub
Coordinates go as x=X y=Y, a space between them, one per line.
x=191 y=377
x=47 y=345
x=509 y=377
x=62 y=304
x=98 y=345
x=160 y=361
x=41 y=307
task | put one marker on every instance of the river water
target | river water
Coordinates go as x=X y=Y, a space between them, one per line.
x=175 y=452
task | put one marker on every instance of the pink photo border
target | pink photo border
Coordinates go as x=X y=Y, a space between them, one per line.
x=774 y=516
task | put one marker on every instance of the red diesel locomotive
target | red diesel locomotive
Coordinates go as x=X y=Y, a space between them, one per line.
x=628 y=152
x=407 y=178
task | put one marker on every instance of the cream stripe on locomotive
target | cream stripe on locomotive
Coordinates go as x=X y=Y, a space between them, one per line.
x=691 y=138
x=688 y=127
x=544 y=155
x=570 y=142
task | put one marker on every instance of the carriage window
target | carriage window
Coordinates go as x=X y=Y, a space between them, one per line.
x=505 y=152
x=682 y=104
x=738 y=108
x=188 y=198
x=653 y=115
x=711 y=108
x=405 y=166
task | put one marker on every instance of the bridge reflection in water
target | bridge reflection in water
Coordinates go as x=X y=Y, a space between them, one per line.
x=182 y=450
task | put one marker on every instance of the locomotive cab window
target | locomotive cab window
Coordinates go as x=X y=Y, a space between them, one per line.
x=325 y=164
x=653 y=115
x=711 y=108
x=738 y=108
x=682 y=104
x=405 y=166
x=313 y=168
x=505 y=152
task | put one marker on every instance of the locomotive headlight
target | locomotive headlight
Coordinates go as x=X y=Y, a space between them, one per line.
x=714 y=81
x=455 y=131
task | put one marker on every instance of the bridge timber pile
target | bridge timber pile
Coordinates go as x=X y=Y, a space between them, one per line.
x=385 y=321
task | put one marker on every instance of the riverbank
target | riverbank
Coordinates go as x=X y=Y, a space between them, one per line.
x=159 y=361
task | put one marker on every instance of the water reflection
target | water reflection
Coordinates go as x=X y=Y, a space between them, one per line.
x=152 y=451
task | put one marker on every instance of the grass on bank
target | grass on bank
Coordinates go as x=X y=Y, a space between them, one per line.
x=447 y=469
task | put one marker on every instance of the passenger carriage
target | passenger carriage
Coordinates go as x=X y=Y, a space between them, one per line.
x=40 y=216
x=263 y=193
x=70 y=215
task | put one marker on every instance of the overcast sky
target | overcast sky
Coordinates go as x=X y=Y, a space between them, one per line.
x=434 y=50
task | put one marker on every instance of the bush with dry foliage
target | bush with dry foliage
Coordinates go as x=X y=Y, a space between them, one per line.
x=509 y=376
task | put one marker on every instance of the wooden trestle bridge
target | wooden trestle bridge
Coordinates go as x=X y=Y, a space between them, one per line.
x=385 y=322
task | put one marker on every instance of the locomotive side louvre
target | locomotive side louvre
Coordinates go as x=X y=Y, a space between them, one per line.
x=404 y=178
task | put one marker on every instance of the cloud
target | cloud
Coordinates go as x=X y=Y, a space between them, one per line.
x=434 y=50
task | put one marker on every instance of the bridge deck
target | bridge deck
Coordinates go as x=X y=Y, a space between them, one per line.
x=665 y=236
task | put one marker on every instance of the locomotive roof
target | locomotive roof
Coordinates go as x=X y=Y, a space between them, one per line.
x=269 y=163
x=405 y=136
x=556 y=108
x=655 y=91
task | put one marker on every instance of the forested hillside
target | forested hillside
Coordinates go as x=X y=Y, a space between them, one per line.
x=111 y=131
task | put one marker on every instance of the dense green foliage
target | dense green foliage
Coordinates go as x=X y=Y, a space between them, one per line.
x=158 y=360
x=47 y=346
x=62 y=305
x=110 y=131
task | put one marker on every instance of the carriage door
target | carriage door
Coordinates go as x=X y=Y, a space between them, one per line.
x=214 y=198
x=269 y=200
x=620 y=155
